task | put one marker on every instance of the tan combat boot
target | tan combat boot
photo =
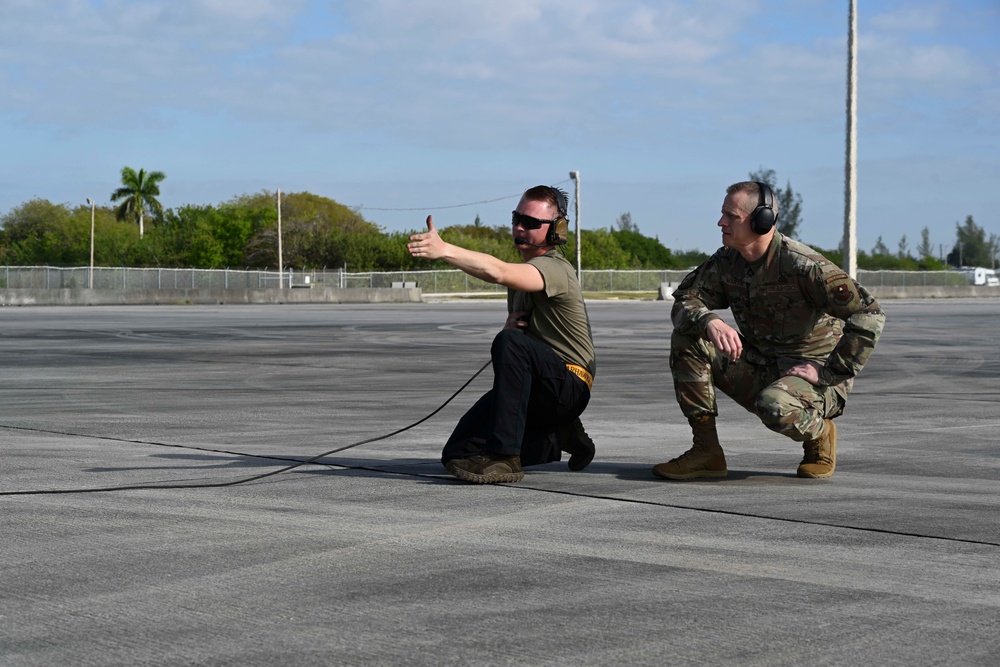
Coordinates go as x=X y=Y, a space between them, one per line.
x=704 y=459
x=820 y=457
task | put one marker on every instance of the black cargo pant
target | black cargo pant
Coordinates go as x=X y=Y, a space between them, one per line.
x=533 y=394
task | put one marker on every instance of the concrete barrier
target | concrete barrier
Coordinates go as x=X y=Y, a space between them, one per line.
x=929 y=292
x=88 y=297
x=883 y=292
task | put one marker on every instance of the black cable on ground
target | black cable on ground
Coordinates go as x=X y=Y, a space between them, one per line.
x=211 y=485
x=708 y=510
x=313 y=459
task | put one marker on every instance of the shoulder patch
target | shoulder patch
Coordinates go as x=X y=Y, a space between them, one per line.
x=842 y=294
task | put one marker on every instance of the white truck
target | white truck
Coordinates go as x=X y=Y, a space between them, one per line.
x=979 y=275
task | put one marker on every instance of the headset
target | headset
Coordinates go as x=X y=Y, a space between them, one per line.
x=558 y=233
x=763 y=217
x=559 y=229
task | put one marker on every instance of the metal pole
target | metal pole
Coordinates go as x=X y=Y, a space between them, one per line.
x=850 y=260
x=281 y=266
x=575 y=175
x=90 y=279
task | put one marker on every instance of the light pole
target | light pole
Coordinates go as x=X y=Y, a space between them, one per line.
x=90 y=275
x=281 y=263
x=849 y=262
x=575 y=175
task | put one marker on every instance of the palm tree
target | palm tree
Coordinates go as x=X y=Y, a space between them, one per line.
x=139 y=190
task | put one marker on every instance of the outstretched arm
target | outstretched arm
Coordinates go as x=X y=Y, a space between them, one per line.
x=429 y=245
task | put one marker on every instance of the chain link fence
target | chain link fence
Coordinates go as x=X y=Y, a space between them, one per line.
x=431 y=282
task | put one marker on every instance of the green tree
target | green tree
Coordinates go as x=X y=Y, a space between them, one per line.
x=625 y=224
x=926 y=248
x=972 y=247
x=645 y=252
x=314 y=230
x=689 y=259
x=195 y=236
x=39 y=232
x=880 y=248
x=903 y=248
x=599 y=249
x=139 y=192
x=789 y=202
x=35 y=232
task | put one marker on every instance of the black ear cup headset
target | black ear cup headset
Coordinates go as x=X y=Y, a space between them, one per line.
x=559 y=229
x=763 y=217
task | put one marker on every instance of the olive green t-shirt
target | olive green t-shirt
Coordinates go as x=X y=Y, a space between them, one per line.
x=558 y=314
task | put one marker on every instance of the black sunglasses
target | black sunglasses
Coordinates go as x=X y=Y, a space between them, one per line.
x=527 y=221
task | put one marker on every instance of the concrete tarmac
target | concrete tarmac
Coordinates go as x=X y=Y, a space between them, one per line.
x=375 y=556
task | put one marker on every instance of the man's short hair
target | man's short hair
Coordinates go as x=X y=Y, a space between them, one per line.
x=752 y=188
x=547 y=193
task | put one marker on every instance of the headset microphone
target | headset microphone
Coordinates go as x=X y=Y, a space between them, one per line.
x=520 y=240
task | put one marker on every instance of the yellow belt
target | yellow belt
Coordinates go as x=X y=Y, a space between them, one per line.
x=581 y=373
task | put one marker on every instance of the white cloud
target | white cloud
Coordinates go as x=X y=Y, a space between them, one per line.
x=665 y=89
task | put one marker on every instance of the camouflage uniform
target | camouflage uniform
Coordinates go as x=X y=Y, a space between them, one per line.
x=792 y=305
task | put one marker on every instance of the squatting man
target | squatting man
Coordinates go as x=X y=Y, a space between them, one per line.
x=543 y=358
x=805 y=330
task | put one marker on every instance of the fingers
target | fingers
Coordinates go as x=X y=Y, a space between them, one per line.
x=726 y=339
x=810 y=372
x=730 y=349
x=422 y=244
x=423 y=235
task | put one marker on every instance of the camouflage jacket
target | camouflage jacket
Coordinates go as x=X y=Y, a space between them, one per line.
x=791 y=305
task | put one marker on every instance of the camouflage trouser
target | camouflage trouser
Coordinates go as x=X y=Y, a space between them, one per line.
x=787 y=405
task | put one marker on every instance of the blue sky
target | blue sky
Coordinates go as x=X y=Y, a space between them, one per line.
x=426 y=105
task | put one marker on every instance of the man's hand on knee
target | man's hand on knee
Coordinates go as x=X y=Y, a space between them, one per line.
x=807 y=370
x=725 y=339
